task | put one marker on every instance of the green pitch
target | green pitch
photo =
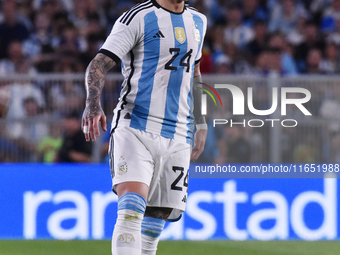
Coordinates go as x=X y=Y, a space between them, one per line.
x=174 y=247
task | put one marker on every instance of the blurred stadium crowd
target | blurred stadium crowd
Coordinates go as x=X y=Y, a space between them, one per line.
x=244 y=37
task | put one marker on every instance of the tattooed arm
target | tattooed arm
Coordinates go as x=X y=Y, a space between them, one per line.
x=94 y=83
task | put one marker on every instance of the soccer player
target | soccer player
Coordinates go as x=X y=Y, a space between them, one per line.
x=159 y=43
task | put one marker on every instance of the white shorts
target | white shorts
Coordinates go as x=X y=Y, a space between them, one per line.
x=161 y=163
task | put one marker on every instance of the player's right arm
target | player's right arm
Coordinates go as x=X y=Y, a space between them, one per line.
x=121 y=40
x=94 y=83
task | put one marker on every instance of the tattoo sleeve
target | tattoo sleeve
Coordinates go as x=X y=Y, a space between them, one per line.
x=94 y=82
x=162 y=213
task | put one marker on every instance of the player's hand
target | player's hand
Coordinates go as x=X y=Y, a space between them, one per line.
x=200 y=137
x=90 y=122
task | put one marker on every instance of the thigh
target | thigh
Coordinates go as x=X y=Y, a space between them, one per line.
x=169 y=186
x=130 y=160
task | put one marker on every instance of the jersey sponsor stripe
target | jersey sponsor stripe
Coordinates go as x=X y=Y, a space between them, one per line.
x=128 y=13
x=176 y=78
x=142 y=102
x=136 y=12
x=128 y=90
x=140 y=6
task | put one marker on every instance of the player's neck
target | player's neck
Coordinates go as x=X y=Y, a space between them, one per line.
x=176 y=6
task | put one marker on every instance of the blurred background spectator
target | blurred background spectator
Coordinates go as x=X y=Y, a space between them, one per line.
x=246 y=37
x=15 y=62
x=39 y=46
x=54 y=33
x=74 y=148
x=12 y=28
x=233 y=145
x=50 y=145
x=285 y=15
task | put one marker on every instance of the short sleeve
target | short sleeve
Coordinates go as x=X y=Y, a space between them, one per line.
x=201 y=22
x=122 y=39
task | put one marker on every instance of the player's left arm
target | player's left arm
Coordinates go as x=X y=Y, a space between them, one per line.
x=201 y=125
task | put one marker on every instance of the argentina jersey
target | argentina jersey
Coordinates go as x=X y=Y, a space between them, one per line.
x=159 y=50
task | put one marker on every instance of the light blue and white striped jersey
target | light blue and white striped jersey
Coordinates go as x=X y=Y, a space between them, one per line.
x=158 y=49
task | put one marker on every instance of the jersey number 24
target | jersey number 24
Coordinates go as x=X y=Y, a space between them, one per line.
x=185 y=60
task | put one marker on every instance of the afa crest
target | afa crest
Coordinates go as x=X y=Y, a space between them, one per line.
x=122 y=168
x=197 y=35
x=126 y=238
x=180 y=34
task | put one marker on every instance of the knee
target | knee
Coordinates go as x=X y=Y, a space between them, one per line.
x=132 y=203
x=132 y=187
x=131 y=208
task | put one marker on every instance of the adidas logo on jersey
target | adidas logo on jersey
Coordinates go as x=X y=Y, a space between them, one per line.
x=159 y=35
